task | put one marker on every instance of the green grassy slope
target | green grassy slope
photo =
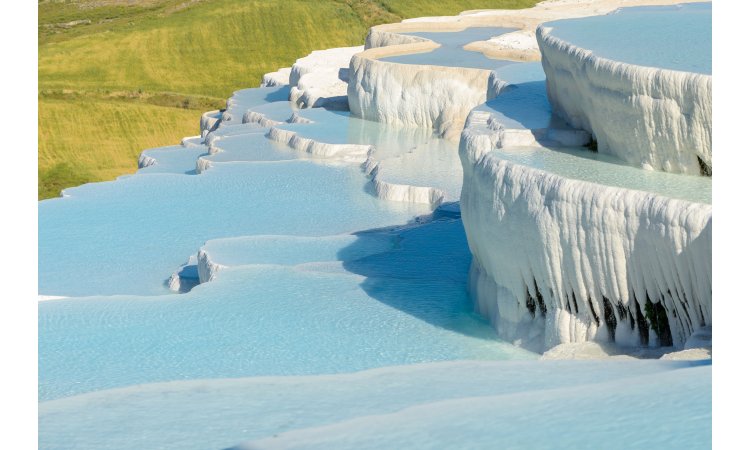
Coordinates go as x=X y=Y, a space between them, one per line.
x=116 y=77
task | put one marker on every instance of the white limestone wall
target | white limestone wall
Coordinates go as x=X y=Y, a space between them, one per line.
x=320 y=60
x=337 y=152
x=380 y=37
x=209 y=121
x=318 y=79
x=259 y=119
x=414 y=95
x=278 y=78
x=396 y=192
x=654 y=118
x=562 y=261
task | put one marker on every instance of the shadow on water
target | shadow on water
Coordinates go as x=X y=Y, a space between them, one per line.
x=527 y=105
x=194 y=171
x=425 y=272
x=279 y=95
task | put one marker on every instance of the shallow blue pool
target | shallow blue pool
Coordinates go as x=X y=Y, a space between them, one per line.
x=129 y=235
x=407 y=156
x=670 y=37
x=451 y=52
x=284 y=306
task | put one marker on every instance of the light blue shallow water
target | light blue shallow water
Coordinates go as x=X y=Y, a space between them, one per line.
x=667 y=411
x=451 y=52
x=408 y=156
x=523 y=103
x=252 y=146
x=395 y=297
x=670 y=37
x=294 y=250
x=583 y=164
x=302 y=296
x=245 y=99
x=174 y=159
x=277 y=111
x=139 y=229
x=536 y=405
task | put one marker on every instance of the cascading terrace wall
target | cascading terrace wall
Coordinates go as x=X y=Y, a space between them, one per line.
x=654 y=118
x=558 y=261
x=395 y=93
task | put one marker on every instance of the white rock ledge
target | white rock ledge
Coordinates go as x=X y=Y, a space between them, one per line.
x=144 y=160
x=342 y=152
x=414 y=95
x=426 y=96
x=260 y=119
x=366 y=155
x=318 y=79
x=278 y=78
x=441 y=97
x=381 y=37
x=654 y=118
x=550 y=133
x=210 y=121
x=202 y=164
x=558 y=261
x=401 y=192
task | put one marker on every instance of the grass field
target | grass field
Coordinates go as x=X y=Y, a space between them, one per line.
x=117 y=76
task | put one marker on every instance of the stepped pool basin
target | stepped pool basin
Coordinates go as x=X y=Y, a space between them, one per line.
x=451 y=52
x=172 y=159
x=279 y=315
x=585 y=165
x=645 y=99
x=523 y=102
x=139 y=238
x=675 y=37
x=297 y=293
x=404 y=156
x=244 y=99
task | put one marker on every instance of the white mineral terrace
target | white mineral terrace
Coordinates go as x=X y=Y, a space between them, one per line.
x=441 y=98
x=646 y=99
x=375 y=251
x=653 y=253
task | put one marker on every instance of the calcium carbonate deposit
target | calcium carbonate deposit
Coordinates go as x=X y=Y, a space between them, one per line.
x=377 y=249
